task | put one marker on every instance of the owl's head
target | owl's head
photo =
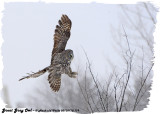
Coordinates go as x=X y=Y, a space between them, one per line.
x=69 y=54
x=65 y=56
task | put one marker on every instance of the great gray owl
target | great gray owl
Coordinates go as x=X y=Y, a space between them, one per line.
x=61 y=58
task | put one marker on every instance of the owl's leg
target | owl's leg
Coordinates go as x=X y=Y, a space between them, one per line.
x=71 y=74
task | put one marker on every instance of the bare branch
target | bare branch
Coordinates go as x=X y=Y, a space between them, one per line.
x=141 y=88
x=89 y=66
x=145 y=5
x=83 y=95
x=129 y=67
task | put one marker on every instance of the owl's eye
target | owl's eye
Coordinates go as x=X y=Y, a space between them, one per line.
x=71 y=56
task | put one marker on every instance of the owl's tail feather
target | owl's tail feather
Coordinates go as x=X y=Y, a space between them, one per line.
x=55 y=82
x=35 y=75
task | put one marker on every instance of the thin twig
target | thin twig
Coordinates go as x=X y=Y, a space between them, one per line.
x=83 y=93
x=86 y=91
x=135 y=104
x=142 y=35
x=129 y=67
x=145 y=5
x=89 y=65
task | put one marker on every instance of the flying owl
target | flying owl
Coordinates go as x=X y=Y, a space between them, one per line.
x=61 y=58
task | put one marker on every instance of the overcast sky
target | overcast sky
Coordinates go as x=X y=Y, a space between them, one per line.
x=28 y=30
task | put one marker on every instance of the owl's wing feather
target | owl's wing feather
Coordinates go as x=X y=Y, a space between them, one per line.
x=36 y=74
x=54 y=81
x=62 y=34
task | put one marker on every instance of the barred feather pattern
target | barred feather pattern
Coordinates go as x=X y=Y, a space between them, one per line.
x=35 y=74
x=61 y=36
x=55 y=82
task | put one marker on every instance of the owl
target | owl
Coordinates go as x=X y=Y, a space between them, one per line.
x=61 y=58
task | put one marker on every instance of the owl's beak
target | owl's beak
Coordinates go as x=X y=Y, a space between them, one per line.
x=69 y=62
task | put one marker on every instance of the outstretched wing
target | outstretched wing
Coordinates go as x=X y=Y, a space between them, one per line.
x=35 y=75
x=54 y=81
x=62 y=34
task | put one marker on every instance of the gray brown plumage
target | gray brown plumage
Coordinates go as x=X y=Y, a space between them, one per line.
x=34 y=75
x=54 y=81
x=62 y=34
x=61 y=58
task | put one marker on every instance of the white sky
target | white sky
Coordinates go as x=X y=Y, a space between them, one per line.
x=28 y=30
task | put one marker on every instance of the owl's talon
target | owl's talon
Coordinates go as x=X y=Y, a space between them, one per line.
x=74 y=76
x=74 y=73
